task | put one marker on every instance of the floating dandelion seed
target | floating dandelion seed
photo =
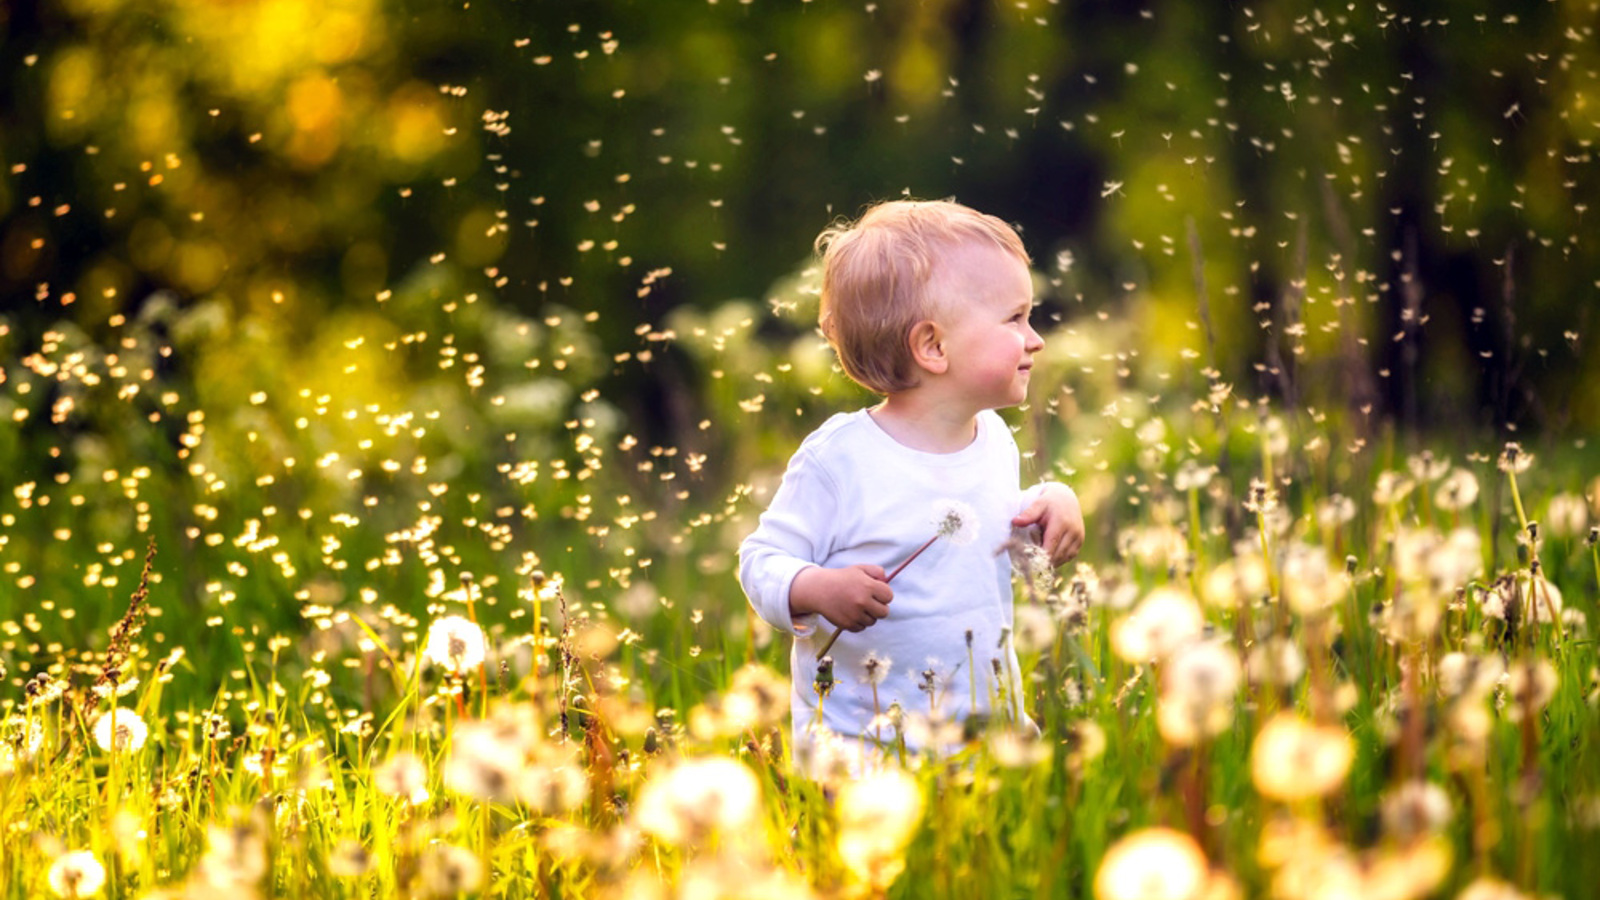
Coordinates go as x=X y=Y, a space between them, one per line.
x=456 y=643
x=120 y=730
x=1152 y=864
x=77 y=873
x=954 y=521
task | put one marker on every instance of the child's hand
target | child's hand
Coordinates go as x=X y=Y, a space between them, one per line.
x=1058 y=514
x=852 y=598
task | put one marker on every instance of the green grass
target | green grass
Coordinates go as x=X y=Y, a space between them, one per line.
x=279 y=671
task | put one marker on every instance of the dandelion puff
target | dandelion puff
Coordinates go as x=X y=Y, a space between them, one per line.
x=76 y=873
x=688 y=802
x=1152 y=864
x=405 y=776
x=878 y=815
x=1035 y=629
x=455 y=643
x=349 y=859
x=1198 y=690
x=955 y=521
x=1513 y=459
x=483 y=763
x=1457 y=491
x=1335 y=510
x=1293 y=759
x=1164 y=620
x=875 y=668
x=1416 y=809
x=446 y=870
x=1567 y=516
x=1487 y=888
x=120 y=730
x=235 y=855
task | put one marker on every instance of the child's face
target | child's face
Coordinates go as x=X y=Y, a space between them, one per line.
x=986 y=297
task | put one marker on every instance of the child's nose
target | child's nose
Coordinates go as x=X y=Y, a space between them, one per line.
x=1035 y=342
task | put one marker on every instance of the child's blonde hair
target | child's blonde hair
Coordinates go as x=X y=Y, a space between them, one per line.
x=875 y=274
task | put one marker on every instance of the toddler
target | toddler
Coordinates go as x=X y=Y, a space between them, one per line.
x=926 y=304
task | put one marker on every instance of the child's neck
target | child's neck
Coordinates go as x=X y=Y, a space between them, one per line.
x=913 y=421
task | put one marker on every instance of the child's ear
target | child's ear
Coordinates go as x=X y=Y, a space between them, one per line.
x=927 y=347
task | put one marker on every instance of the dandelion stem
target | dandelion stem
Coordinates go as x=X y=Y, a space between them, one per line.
x=1516 y=500
x=897 y=570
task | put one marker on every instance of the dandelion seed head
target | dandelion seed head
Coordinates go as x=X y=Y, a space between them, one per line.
x=1416 y=809
x=1152 y=864
x=1166 y=619
x=455 y=643
x=1034 y=628
x=1293 y=759
x=956 y=521
x=688 y=802
x=1276 y=661
x=878 y=814
x=1513 y=459
x=1335 y=511
x=236 y=855
x=1457 y=491
x=875 y=668
x=446 y=870
x=1567 y=515
x=1392 y=487
x=120 y=730
x=403 y=775
x=76 y=873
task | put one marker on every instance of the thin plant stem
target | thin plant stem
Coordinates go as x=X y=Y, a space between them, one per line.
x=897 y=570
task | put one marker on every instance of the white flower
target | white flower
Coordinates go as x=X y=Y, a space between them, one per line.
x=449 y=871
x=77 y=874
x=1416 y=808
x=875 y=668
x=456 y=643
x=235 y=855
x=120 y=730
x=694 y=798
x=1567 y=516
x=878 y=815
x=1276 y=661
x=1035 y=629
x=1457 y=491
x=1164 y=620
x=1152 y=864
x=1293 y=759
x=1198 y=690
x=1335 y=510
x=1310 y=583
x=956 y=521
x=405 y=776
x=485 y=762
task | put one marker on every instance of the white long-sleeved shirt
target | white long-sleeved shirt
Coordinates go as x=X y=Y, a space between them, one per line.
x=852 y=494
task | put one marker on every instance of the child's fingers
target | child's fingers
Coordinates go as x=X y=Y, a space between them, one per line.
x=1030 y=515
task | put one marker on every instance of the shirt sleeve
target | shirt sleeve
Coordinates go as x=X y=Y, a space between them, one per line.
x=792 y=535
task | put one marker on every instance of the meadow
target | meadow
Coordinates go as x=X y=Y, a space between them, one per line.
x=358 y=643
x=386 y=387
